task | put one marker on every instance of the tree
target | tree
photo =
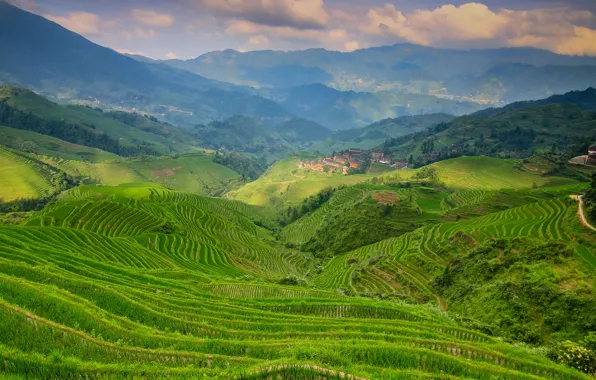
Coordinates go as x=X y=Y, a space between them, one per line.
x=428 y=146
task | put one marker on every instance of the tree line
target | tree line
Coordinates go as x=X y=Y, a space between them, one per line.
x=66 y=131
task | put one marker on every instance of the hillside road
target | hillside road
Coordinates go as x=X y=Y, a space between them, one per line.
x=580 y=212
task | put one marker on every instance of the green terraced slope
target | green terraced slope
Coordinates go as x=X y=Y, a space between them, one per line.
x=23 y=177
x=138 y=281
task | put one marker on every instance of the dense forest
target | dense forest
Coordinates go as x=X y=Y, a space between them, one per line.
x=248 y=167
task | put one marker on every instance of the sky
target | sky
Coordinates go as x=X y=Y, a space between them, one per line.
x=184 y=29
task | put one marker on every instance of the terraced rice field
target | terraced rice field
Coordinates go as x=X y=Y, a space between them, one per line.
x=22 y=177
x=93 y=319
x=142 y=282
x=376 y=268
x=302 y=230
x=486 y=173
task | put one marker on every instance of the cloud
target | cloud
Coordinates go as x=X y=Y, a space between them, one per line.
x=80 y=22
x=474 y=25
x=27 y=5
x=130 y=52
x=143 y=33
x=298 y=14
x=152 y=18
x=351 y=45
x=171 y=55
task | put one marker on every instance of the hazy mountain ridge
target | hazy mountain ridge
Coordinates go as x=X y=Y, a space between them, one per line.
x=44 y=56
x=474 y=74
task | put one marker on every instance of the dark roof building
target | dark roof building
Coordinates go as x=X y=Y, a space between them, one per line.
x=592 y=151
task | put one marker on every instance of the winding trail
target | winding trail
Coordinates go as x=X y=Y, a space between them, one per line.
x=580 y=212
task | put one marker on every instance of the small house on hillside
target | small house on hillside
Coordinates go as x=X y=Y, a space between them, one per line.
x=592 y=151
x=354 y=165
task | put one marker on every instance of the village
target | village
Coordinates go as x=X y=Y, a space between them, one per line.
x=349 y=161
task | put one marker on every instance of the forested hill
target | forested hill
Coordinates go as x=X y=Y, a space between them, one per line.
x=586 y=100
x=519 y=131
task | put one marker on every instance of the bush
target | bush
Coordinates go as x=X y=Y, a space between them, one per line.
x=574 y=356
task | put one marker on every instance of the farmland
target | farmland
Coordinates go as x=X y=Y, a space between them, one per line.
x=187 y=286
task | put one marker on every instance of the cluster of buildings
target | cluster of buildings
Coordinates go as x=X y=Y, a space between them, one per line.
x=350 y=159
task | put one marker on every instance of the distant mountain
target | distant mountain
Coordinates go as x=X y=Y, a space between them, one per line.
x=302 y=130
x=585 y=100
x=43 y=56
x=343 y=110
x=498 y=75
x=389 y=128
x=242 y=134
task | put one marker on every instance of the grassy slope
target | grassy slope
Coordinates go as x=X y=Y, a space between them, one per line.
x=30 y=102
x=167 y=295
x=21 y=178
x=285 y=184
x=196 y=174
x=50 y=146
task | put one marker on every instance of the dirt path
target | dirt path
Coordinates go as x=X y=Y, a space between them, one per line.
x=580 y=212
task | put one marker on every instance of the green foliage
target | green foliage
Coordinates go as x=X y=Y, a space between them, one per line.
x=309 y=204
x=248 y=167
x=590 y=199
x=574 y=356
x=523 y=287
x=362 y=222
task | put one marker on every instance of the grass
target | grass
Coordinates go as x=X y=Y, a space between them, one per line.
x=196 y=174
x=139 y=280
x=170 y=139
x=48 y=146
x=285 y=184
x=22 y=177
x=486 y=173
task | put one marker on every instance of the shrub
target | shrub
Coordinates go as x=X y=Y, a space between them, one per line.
x=574 y=356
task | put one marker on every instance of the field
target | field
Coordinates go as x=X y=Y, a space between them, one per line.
x=22 y=177
x=48 y=146
x=27 y=175
x=140 y=281
x=196 y=174
x=285 y=184
x=164 y=139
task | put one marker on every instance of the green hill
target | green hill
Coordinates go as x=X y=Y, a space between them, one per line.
x=23 y=177
x=302 y=130
x=586 y=100
x=284 y=183
x=558 y=128
x=120 y=133
x=138 y=280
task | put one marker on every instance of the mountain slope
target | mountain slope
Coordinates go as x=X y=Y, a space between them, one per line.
x=188 y=287
x=507 y=74
x=585 y=100
x=42 y=55
x=343 y=110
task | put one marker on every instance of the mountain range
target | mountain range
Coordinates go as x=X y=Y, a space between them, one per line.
x=498 y=75
x=337 y=90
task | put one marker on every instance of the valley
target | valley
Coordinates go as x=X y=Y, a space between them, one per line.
x=386 y=212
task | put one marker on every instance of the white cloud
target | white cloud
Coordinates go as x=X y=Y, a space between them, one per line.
x=475 y=25
x=144 y=33
x=299 y=14
x=80 y=22
x=152 y=18
x=351 y=45
x=130 y=52
x=171 y=55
